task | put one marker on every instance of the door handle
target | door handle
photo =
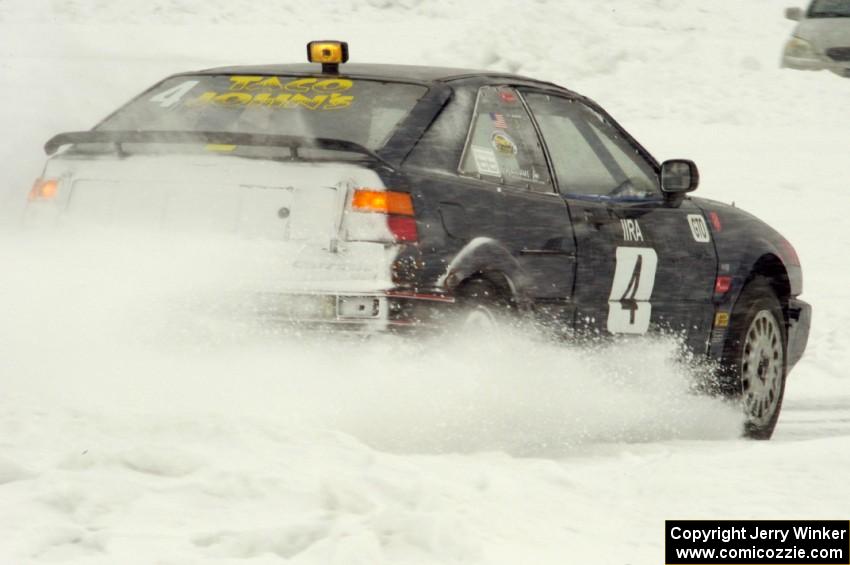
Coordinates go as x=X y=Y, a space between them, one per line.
x=549 y=252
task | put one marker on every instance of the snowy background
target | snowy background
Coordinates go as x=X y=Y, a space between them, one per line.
x=134 y=432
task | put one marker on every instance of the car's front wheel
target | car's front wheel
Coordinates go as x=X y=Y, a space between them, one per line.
x=754 y=356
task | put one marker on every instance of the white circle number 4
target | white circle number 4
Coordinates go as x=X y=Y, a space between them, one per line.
x=629 y=309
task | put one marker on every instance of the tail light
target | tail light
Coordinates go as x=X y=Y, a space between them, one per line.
x=43 y=189
x=396 y=207
x=403 y=229
x=386 y=202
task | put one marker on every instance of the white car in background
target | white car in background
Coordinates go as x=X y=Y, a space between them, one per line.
x=821 y=40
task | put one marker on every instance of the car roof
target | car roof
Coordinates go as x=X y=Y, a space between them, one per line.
x=410 y=73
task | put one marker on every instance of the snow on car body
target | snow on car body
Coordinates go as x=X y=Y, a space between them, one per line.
x=405 y=193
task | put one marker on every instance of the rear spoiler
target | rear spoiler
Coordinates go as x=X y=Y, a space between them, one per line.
x=117 y=138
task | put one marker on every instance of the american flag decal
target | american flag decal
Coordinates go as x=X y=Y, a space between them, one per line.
x=499 y=120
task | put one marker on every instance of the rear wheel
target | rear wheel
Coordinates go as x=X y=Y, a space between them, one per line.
x=754 y=357
x=482 y=307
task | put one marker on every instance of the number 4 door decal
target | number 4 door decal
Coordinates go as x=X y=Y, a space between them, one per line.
x=629 y=309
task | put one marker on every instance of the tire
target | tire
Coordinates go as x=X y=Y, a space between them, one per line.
x=754 y=357
x=482 y=307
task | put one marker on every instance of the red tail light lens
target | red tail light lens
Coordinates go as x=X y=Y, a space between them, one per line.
x=403 y=228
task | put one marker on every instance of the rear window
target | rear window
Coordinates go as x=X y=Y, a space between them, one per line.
x=830 y=9
x=365 y=112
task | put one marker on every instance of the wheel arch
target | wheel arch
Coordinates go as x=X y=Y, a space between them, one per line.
x=500 y=282
x=486 y=259
x=773 y=269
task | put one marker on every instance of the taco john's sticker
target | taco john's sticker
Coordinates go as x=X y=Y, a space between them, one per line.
x=308 y=93
x=502 y=143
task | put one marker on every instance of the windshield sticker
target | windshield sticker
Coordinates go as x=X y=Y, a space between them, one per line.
x=308 y=93
x=520 y=173
x=485 y=162
x=498 y=120
x=503 y=143
x=332 y=101
x=170 y=97
x=219 y=147
x=302 y=85
x=507 y=96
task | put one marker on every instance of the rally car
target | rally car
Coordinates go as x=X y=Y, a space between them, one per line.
x=410 y=194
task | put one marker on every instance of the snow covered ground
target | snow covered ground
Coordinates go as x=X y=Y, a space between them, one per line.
x=132 y=431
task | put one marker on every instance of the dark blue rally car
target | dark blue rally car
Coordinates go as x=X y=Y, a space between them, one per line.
x=405 y=195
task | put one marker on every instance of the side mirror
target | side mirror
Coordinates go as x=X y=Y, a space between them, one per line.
x=679 y=176
x=795 y=14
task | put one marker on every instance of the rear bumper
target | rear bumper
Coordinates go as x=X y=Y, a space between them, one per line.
x=799 y=322
x=393 y=310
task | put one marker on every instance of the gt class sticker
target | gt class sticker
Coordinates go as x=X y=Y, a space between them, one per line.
x=629 y=309
x=699 y=228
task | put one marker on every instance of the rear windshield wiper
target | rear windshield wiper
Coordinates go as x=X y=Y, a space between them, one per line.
x=292 y=142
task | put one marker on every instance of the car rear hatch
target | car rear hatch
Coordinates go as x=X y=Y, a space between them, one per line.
x=284 y=227
x=290 y=161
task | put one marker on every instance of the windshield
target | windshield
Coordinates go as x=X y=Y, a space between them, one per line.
x=361 y=111
x=829 y=9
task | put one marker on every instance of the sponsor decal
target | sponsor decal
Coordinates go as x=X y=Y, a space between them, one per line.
x=498 y=120
x=520 y=173
x=302 y=85
x=507 y=96
x=631 y=230
x=220 y=147
x=485 y=162
x=699 y=229
x=262 y=91
x=503 y=143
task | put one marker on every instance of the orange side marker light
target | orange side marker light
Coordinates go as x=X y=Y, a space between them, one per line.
x=43 y=190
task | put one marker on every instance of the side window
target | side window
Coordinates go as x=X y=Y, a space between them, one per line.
x=589 y=156
x=440 y=148
x=502 y=144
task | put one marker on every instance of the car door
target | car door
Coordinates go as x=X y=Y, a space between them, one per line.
x=504 y=150
x=643 y=263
